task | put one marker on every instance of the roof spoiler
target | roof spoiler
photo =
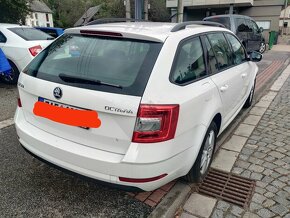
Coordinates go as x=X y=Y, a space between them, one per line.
x=181 y=26
x=114 y=20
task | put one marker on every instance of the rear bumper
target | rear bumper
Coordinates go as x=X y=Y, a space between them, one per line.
x=97 y=164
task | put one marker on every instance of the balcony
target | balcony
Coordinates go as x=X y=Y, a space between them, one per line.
x=209 y=3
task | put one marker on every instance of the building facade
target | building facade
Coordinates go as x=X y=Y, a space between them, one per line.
x=40 y=15
x=265 y=12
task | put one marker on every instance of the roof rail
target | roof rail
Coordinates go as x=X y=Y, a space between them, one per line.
x=181 y=26
x=114 y=20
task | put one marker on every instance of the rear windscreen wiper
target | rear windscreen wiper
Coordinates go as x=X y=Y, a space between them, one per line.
x=76 y=79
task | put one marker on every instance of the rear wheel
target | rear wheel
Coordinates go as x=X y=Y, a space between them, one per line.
x=13 y=78
x=205 y=156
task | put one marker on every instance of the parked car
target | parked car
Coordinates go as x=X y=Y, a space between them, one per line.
x=5 y=68
x=21 y=44
x=245 y=28
x=134 y=104
x=52 y=31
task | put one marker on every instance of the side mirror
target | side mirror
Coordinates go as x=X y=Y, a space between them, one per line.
x=255 y=56
x=261 y=29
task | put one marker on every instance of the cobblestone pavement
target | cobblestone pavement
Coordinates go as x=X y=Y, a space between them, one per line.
x=266 y=159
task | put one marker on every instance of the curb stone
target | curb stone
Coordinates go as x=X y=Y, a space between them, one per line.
x=170 y=203
x=177 y=195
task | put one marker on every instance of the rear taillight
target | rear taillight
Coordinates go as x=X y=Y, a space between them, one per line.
x=19 y=102
x=35 y=50
x=155 y=123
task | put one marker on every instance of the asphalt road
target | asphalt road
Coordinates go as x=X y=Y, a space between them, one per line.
x=29 y=188
x=8 y=100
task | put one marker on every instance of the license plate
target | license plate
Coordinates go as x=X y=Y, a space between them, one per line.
x=57 y=104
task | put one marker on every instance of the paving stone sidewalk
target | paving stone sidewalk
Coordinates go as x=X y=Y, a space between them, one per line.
x=259 y=150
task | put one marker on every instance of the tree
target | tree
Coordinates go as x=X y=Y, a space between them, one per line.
x=158 y=11
x=13 y=11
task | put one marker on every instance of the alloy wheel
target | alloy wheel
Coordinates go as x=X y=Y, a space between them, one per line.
x=207 y=152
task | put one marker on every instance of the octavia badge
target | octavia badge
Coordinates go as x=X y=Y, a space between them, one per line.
x=57 y=92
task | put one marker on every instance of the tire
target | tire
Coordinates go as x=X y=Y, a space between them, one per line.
x=262 y=47
x=197 y=172
x=14 y=75
x=249 y=100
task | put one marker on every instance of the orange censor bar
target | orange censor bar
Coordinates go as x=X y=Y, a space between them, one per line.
x=72 y=117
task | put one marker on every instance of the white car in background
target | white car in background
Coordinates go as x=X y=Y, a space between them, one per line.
x=134 y=104
x=20 y=45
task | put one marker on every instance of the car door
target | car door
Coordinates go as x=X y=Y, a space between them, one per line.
x=241 y=64
x=254 y=36
x=225 y=76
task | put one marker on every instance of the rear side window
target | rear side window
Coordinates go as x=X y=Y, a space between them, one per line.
x=221 y=50
x=223 y=20
x=114 y=65
x=253 y=26
x=189 y=62
x=241 y=25
x=30 y=34
x=239 y=54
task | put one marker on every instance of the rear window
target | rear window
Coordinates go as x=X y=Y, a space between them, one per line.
x=116 y=65
x=223 y=20
x=30 y=34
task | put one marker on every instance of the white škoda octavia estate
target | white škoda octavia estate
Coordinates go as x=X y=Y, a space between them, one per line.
x=134 y=104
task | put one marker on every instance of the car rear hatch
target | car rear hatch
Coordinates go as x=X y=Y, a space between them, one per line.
x=99 y=74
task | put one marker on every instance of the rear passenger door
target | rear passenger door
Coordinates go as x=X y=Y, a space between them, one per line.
x=226 y=78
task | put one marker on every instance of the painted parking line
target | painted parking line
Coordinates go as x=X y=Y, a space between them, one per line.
x=6 y=123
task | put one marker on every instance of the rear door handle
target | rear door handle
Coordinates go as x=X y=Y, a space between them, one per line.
x=244 y=75
x=224 y=88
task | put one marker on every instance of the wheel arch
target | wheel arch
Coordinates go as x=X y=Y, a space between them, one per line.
x=218 y=121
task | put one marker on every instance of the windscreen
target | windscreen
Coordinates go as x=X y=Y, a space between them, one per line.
x=222 y=20
x=30 y=34
x=116 y=65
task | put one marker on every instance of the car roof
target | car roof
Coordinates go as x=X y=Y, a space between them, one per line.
x=155 y=31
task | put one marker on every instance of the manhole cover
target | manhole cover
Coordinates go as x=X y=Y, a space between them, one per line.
x=228 y=187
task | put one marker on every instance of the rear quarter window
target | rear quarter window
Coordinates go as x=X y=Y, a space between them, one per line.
x=30 y=34
x=122 y=62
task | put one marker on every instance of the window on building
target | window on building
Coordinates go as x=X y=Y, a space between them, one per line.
x=265 y=24
x=189 y=65
x=285 y=24
x=48 y=25
x=37 y=24
x=221 y=50
x=47 y=18
x=36 y=16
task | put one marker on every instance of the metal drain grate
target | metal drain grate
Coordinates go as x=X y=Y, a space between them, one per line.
x=228 y=187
